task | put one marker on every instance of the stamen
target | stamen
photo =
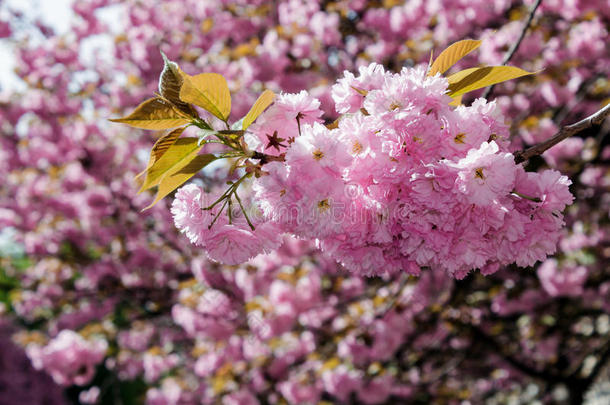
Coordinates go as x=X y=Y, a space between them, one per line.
x=395 y=105
x=323 y=205
x=478 y=173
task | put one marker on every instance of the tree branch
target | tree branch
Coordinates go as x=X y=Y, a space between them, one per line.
x=565 y=132
x=499 y=349
x=515 y=46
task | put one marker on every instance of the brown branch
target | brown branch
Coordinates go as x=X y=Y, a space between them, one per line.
x=565 y=132
x=513 y=49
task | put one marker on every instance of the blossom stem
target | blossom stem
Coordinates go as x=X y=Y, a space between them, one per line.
x=198 y=122
x=222 y=197
x=230 y=154
x=565 y=132
x=243 y=210
x=299 y=116
x=219 y=212
x=534 y=199
x=229 y=211
x=226 y=197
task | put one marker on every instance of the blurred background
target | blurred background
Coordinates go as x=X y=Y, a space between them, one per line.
x=101 y=303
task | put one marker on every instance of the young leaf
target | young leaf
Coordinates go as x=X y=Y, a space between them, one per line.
x=154 y=113
x=483 y=77
x=176 y=177
x=170 y=82
x=360 y=91
x=452 y=55
x=456 y=77
x=262 y=102
x=334 y=124
x=160 y=147
x=209 y=91
x=176 y=157
x=164 y=143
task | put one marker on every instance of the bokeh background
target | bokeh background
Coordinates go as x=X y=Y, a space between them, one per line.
x=101 y=303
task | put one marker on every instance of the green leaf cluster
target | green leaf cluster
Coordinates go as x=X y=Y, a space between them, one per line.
x=470 y=79
x=175 y=159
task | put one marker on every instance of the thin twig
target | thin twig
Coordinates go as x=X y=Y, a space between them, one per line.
x=513 y=49
x=565 y=132
x=404 y=277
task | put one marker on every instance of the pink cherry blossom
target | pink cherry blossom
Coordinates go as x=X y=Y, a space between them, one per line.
x=68 y=357
x=565 y=281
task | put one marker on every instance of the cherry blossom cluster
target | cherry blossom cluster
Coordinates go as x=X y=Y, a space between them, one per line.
x=68 y=358
x=404 y=182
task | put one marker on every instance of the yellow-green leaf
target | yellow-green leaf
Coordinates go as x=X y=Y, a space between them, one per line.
x=360 y=91
x=160 y=147
x=208 y=91
x=170 y=82
x=262 y=102
x=333 y=125
x=154 y=113
x=456 y=77
x=175 y=158
x=483 y=77
x=164 y=143
x=452 y=55
x=175 y=178
x=456 y=101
